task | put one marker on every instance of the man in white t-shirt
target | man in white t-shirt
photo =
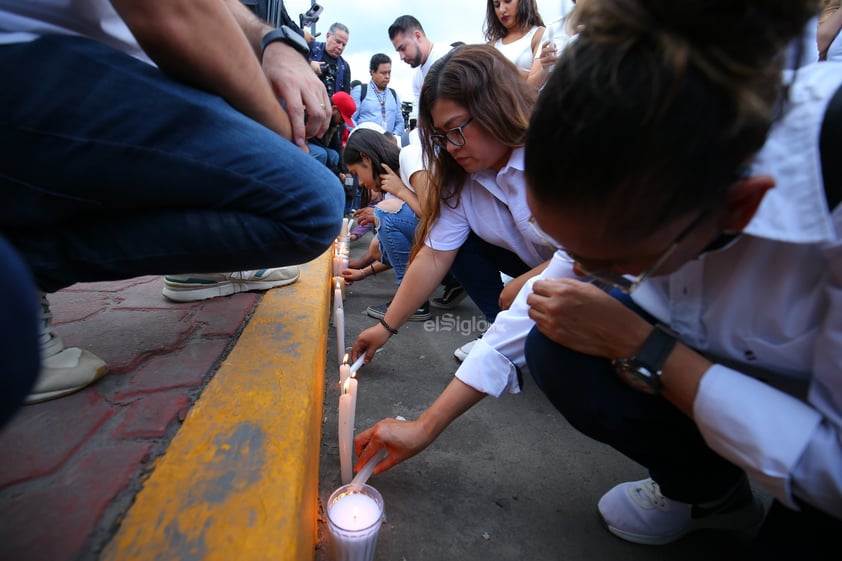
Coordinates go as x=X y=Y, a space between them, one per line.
x=415 y=49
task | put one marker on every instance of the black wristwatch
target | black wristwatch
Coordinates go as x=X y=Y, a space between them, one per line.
x=642 y=371
x=286 y=35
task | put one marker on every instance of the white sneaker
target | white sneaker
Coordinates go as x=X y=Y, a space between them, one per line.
x=462 y=352
x=63 y=370
x=193 y=287
x=637 y=512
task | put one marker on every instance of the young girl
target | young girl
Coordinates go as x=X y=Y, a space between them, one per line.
x=382 y=167
x=472 y=120
x=515 y=28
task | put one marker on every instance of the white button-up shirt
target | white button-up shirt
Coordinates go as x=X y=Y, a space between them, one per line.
x=493 y=206
x=768 y=307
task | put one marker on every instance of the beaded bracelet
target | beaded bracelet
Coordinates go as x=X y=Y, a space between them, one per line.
x=373 y=272
x=388 y=327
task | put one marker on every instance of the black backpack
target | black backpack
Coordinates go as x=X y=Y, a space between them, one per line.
x=364 y=90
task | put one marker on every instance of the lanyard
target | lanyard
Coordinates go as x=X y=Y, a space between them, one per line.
x=382 y=99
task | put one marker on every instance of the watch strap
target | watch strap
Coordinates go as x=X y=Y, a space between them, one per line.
x=287 y=35
x=643 y=370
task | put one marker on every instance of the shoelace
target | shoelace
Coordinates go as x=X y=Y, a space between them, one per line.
x=649 y=495
x=46 y=321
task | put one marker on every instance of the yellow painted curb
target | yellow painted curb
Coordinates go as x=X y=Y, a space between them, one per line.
x=240 y=479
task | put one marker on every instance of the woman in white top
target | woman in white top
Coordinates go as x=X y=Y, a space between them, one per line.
x=478 y=221
x=515 y=28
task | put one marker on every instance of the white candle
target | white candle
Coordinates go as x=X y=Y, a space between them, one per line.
x=339 y=287
x=357 y=364
x=344 y=371
x=339 y=322
x=347 y=412
x=337 y=265
x=344 y=230
x=354 y=518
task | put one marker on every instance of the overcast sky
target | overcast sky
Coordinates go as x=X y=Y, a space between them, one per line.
x=444 y=21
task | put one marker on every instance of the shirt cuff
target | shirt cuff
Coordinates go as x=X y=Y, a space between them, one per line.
x=755 y=426
x=488 y=371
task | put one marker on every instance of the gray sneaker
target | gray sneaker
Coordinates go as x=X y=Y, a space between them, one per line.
x=194 y=287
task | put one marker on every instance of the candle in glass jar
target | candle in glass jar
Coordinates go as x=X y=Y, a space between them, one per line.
x=354 y=515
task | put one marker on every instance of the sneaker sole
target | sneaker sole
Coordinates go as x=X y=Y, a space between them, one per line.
x=437 y=302
x=730 y=522
x=55 y=394
x=191 y=294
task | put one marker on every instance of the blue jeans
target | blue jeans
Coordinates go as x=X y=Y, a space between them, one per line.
x=20 y=357
x=477 y=267
x=396 y=235
x=112 y=170
x=648 y=429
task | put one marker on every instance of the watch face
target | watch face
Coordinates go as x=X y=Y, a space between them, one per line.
x=637 y=376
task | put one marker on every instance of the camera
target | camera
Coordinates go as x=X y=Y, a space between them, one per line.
x=406 y=111
x=311 y=16
x=328 y=76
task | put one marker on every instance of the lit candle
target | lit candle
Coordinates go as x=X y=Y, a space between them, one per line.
x=347 y=412
x=337 y=265
x=343 y=232
x=344 y=371
x=339 y=285
x=354 y=517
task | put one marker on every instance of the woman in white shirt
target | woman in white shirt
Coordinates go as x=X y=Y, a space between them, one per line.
x=716 y=358
x=478 y=220
x=515 y=28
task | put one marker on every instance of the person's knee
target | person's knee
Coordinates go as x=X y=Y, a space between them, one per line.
x=391 y=206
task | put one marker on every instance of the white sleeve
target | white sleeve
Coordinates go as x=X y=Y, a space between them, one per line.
x=496 y=360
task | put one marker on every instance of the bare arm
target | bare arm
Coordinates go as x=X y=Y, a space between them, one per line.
x=828 y=30
x=404 y=439
x=200 y=43
x=538 y=74
x=390 y=182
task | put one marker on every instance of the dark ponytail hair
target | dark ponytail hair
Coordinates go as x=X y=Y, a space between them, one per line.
x=660 y=103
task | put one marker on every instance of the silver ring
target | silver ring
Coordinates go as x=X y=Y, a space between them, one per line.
x=323 y=105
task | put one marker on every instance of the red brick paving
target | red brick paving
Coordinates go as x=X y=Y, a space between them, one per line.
x=70 y=466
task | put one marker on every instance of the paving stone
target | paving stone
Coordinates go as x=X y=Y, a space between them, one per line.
x=44 y=436
x=150 y=415
x=51 y=519
x=188 y=367
x=225 y=316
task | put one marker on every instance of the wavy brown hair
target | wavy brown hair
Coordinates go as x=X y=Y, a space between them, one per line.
x=489 y=86
x=527 y=16
x=654 y=110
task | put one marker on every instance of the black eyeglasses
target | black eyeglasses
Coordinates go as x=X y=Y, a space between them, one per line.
x=454 y=136
x=611 y=279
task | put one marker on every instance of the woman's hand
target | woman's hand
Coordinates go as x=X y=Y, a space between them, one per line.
x=402 y=439
x=549 y=55
x=583 y=318
x=364 y=216
x=390 y=182
x=353 y=275
x=369 y=341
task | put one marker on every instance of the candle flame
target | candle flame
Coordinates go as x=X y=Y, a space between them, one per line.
x=355 y=513
x=346 y=385
x=338 y=283
x=345 y=360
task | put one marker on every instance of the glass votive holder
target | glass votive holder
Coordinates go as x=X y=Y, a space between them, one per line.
x=354 y=517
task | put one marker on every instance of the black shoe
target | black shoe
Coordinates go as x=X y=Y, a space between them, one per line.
x=452 y=295
x=379 y=312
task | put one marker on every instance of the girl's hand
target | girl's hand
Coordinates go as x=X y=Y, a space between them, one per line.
x=390 y=182
x=364 y=216
x=353 y=275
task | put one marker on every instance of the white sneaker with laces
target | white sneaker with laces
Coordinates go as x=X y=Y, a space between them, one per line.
x=193 y=287
x=462 y=352
x=63 y=370
x=637 y=512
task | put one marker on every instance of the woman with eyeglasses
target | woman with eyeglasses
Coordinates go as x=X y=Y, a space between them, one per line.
x=472 y=121
x=705 y=341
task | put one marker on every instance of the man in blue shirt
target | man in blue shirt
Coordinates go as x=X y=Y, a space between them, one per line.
x=327 y=62
x=376 y=101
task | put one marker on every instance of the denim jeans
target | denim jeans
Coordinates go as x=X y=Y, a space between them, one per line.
x=646 y=428
x=396 y=235
x=112 y=170
x=19 y=331
x=477 y=267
